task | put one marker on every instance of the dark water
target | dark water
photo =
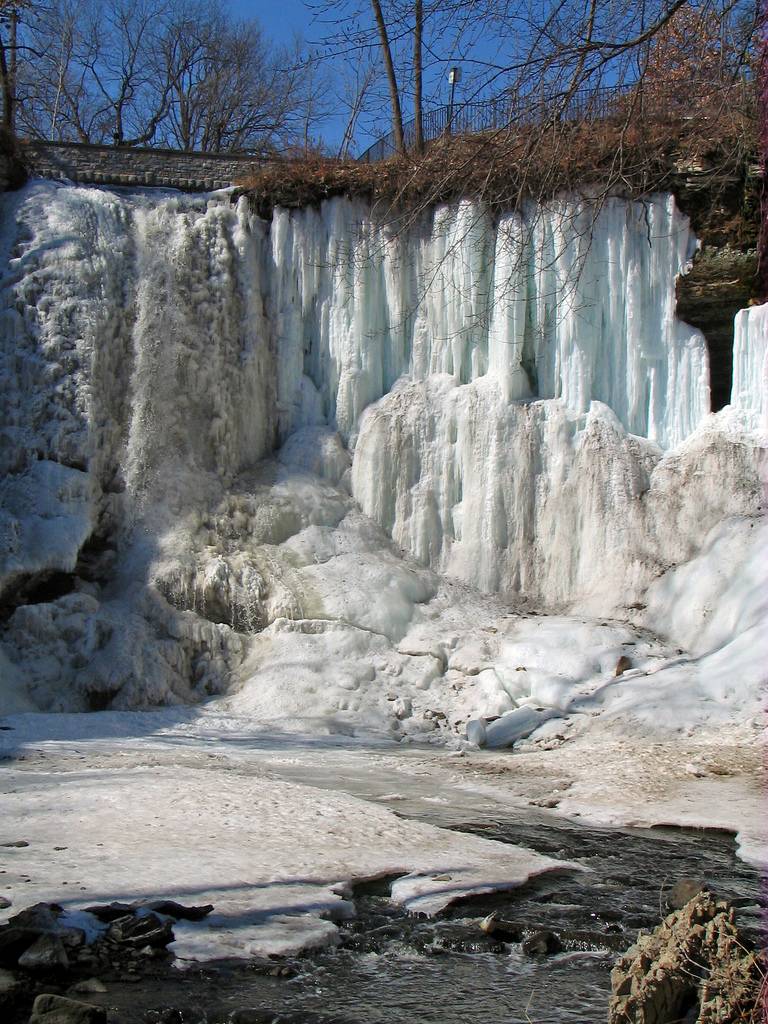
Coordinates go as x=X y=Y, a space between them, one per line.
x=392 y=968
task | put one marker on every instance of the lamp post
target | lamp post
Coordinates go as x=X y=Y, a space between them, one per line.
x=454 y=76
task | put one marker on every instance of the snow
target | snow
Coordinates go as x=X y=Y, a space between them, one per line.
x=276 y=859
x=706 y=779
x=533 y=498
x=209 y=808
x=45 y=520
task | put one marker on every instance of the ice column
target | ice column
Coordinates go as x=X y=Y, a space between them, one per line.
x=572 y=300
x=749 y=393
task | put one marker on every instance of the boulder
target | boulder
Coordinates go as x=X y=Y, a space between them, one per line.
x=88 y=986
x=542 y=943
x=106 y=913
x=170 y=908
x=47 y=953
x=72 y=938
x=148 y=930
x=23 y=933
x=50 y=1009
x=695 y=967
x=40 y=918
x=13 y=942
x=683 y=891
x=459 y=940
x=166 y=1015
x=10 y=985
x=506 y=931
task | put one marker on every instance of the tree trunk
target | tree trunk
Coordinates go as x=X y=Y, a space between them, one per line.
x=13 y=69
x=418 y=76
x=7 y=104
x=7 y=73
x=394 y=92
x=763 y=121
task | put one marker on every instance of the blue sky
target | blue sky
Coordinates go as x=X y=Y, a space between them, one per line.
x=284 y=20
x=281 y=20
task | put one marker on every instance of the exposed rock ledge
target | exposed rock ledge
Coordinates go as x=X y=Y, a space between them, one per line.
x=694 y=968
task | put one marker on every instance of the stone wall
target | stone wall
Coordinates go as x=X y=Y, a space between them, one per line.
x=115 y=165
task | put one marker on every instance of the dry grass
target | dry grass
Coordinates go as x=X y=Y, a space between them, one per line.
x=504 y=168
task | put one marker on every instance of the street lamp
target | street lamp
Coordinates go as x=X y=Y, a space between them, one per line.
x=454 y=76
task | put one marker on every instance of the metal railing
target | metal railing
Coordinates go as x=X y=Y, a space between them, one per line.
x=533 y=108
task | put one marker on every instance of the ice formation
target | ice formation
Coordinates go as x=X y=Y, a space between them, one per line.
x=571 y=301
x=277 y=860
x=750 y=367
x=296 y=462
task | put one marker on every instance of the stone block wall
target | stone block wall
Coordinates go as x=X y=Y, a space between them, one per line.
x=123 y=165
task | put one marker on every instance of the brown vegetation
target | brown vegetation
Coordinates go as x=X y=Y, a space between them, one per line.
x=695 y=966
x=707 y=160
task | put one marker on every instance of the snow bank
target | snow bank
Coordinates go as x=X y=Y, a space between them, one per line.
x=277 y=860
x=716 y=608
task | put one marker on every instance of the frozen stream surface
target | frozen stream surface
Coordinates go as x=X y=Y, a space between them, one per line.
x=282 y=834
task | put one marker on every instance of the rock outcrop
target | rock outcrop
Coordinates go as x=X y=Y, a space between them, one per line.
x=721 y=281
x=695 y=967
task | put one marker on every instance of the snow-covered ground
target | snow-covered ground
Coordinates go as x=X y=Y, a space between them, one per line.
x=273 y=830
x=276 y=859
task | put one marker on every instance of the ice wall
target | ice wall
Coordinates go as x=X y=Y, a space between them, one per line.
x=573 y=301
x=534 y=499
x=134 y=348
x=513 y=402
x=140 y=331
x=136 y=379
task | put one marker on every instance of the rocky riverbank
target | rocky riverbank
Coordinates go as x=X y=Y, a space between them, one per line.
x=697 y=966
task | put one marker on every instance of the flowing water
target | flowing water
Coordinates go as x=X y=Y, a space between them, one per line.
x=393 y=968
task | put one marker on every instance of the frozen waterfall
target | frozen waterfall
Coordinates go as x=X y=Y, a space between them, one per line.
x=220 y=437
x=567 y=302
x=749 y=395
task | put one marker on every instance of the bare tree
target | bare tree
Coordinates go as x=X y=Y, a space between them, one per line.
x=92 y=76
x=394 y=91
x=230 y=88
x=122 y=35
x=544 y=53
x=393 y=30
x=354 y=98
x=175 y=72
x=418 y=75
x=9 y=25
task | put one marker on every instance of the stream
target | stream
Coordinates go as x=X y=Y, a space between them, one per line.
x=393 y=968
